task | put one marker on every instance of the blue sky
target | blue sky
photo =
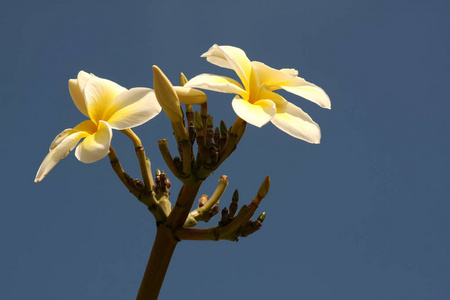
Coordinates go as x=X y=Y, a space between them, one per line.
x=363 y=215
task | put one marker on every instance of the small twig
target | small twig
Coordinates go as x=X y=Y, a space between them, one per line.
x=199 y=213
x=143 y=164
x=241 y=218
x=117 y=167
x=234 y=136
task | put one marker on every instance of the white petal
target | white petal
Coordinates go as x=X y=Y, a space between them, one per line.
x=98 y=94
x=82 y=79
x=77 y=97
x=290 y=71
x=76 y=89
x=232 y=58
x=257 y=114
x=287 y=79
x=295 y=122
x=270 y=76
x=95 y=146
x=60 y=137
x=217 y=83
x=310 y=92
x=132 y=108
x=57 y=153
x=87 y=126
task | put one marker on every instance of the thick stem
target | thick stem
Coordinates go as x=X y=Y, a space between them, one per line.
x=165 y=243
x=182 y=207
x=159 y=261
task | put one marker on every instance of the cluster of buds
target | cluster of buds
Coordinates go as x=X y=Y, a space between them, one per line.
x=214 y=145
x=207 y=207
x=134 y=183
x=162 y=191
x=233 y=223
x=247 y=226
x=211 y=212
x=211 y=142
x=162 y=183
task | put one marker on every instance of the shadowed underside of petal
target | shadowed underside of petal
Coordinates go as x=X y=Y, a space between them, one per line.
x=57 y=153
x=217 y=83
x=232 y=58
x=257 y=114
x=295 y=122
x=132 y=108
x=270 y=76
x=86 y=126
x=98 y=94
x=60 y=137
x=96 y=146
x=266 y=94
x=310 y=92
x=286 y=79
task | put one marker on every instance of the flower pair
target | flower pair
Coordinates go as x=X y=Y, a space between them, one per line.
x=111 y=106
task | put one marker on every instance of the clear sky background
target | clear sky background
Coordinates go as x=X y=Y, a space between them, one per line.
x=363 y=215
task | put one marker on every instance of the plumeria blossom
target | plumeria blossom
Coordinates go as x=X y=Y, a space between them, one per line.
x=108 y=106
x=255 y=102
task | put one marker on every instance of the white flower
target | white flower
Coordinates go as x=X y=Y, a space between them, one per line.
x=108 y=106
x=255 y=101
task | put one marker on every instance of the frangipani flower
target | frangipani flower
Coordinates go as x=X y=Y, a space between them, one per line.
x=108 y=106
x=255 y=101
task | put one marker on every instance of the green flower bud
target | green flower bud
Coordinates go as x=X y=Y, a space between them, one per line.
x=166 y=96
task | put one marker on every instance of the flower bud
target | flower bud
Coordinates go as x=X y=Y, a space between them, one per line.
x=216 y=136
x=190 y=221
x=224 y=217
x=177 y=162
x=210 y=122
x=223 y=129
x=198 y=123
x=250 y=228
x=202 y=201
x=233 y=209
x=235 y=197
x=189 y=95
x=166 y=96
x=264 y=189
x=183 y=79
x=261 y=217
x=139 y=184
x=214 y=210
